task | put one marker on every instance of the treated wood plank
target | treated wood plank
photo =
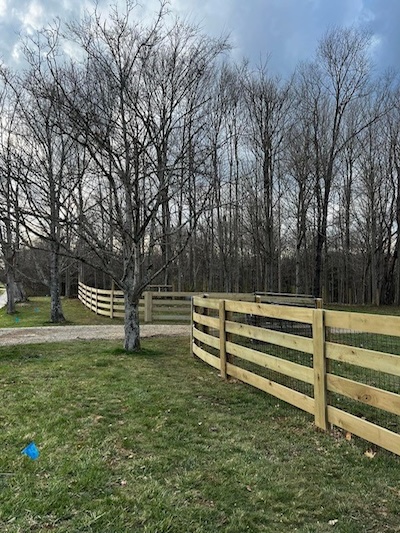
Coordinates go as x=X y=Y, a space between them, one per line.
x=105 y=299
x=148 y=307
x=206 y=320
x=237 y=296
x=102 y=312
x=120 y=306
x=319 y=369
x=271 y=362
x=287 y=340
x=379 y=361
x=366 y=430
x=210 y=340
x=287 y=300
x=279 y=391
x=222 y=338
x=174 y=294
x=294 y=314
x=197 y=294
x=206 y=357
x=388 y=401
x=208 y=303
x=171 y=303
x=192 y=327
x=363 y=322
x=160 y=295
x=171 y=318
x=103 y=292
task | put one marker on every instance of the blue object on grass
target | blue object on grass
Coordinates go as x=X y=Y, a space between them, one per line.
x=31 y=451
x=17 y=319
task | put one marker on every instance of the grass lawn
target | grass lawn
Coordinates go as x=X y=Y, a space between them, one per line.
x=36 y=312
x=156 y=442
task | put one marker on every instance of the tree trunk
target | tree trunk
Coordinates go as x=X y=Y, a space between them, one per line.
x=19 y=293
x=56 y=312
x=14 y=289
x=10 y=288
x=67 y=289
x=131 y=322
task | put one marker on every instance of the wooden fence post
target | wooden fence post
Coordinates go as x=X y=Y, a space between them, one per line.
x=228 y=336
x=191 y=326
x=148 y=306
x=205 y=312
x=112 y=299
x=319 y=359
x=222 y=338
x=257 y=320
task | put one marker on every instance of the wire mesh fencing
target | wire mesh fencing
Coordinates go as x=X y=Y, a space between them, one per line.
x=371 y=378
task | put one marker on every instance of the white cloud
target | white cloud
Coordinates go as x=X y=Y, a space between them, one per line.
x=33 y=18
x=3 y=8
x=286 y=30
x=16 y=52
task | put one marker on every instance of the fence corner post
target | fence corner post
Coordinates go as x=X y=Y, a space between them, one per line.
x=222 y=338
x=148 y=307
x=319 y=363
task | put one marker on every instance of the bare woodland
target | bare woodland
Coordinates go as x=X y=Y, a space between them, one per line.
x=142 y=152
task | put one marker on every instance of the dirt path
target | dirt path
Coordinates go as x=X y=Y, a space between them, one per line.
x=10 y=336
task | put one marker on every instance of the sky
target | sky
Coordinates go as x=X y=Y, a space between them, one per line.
x=284 y=32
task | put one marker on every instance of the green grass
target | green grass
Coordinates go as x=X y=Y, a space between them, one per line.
x=156 y=442
x=36 y=312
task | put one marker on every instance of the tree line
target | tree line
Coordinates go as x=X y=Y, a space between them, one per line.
x=142 y=153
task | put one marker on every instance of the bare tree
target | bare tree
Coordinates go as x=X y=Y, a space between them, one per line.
x=126 y=103
x=299 y=194
x=338 y=78
x=11 y=173
x=268 y=103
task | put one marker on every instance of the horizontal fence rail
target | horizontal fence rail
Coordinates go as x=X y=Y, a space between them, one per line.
x=154 y=306
x=342 y=368
x=160 y=303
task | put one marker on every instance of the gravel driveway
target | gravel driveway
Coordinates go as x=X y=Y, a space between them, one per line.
x=10 y=336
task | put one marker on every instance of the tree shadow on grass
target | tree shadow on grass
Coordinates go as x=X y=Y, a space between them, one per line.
x=144 y=352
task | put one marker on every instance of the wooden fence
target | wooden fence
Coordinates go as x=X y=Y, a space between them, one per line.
x=162 y=304
x=154 y=306
x=328 y=363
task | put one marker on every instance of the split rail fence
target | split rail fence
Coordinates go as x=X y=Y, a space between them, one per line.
x=341 y=367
